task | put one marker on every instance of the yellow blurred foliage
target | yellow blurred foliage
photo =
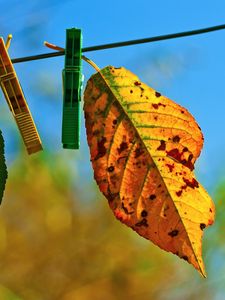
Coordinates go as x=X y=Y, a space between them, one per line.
x=53 y=246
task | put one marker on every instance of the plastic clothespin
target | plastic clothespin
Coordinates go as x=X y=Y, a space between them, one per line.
x=15 y=98
x=72 y=83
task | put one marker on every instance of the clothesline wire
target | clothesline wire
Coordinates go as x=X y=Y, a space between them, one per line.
x=123 y=44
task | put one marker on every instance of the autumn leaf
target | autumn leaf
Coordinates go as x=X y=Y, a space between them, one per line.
x=3 y=170
x=143 y=148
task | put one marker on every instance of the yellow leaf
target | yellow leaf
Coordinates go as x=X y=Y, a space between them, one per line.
x=143 y=148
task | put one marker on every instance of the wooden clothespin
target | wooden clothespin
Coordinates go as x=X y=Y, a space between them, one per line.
x=15 y=98
x=72 y=83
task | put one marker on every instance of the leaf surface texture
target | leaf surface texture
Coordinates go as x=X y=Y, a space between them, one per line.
x=143 y=147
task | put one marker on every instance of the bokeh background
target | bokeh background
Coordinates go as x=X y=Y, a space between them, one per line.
x=58 y=238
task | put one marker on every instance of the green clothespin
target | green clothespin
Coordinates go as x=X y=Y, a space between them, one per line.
x=72 y=82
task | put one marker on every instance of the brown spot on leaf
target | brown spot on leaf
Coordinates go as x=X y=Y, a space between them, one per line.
x=162 y=146
x=202 y=226
x=144 y=213
x=173 y=233
x=144 y=162
x=157 y=94
x=110 y=169
x=131 y=91
x=155 y=106
x=171 y=167
x=188 y=164
x=185 y=149
x=152 y=197
x=143 y=222
x=115 y=121
x=193 y=184
x=138 y=152
x=185 y=257
x=174 y=153
x=101 y=148
x=190 y=157
x=137 y=83
x=160 y=104
x=179 y=193
x=176 y=139
x=126 y=210
x=123 y=146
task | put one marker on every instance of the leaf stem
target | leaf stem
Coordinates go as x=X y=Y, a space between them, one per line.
x=90 y=62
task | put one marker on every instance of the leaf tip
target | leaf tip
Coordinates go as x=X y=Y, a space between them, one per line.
x=201 y=268
x=202 y=272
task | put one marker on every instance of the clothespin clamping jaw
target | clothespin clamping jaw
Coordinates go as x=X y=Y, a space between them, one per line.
x=17 y=103
x=72 y=82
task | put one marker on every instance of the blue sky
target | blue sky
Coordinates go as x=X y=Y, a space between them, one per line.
x=191 y=70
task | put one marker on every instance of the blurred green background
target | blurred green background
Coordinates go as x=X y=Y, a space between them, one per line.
x=58 y=238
